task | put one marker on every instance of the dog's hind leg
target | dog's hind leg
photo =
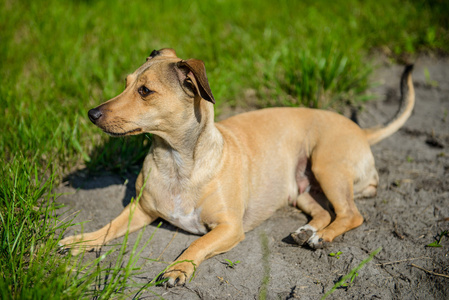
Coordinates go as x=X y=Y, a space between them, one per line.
x=320 y=218
x=337 y=185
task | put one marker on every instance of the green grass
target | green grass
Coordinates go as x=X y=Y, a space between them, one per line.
x=351 y=275
x=263 y=289
x=32 y=268
x=61 y=58
x=438 y=239
x=122 y=155
x=231 y=264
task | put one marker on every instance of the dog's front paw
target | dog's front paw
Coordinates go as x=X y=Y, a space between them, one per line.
x=76 y=244
x=177 y=274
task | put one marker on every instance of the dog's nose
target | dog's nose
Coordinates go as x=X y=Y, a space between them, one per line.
x=94 y=114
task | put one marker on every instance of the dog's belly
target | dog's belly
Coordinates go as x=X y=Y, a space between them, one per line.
x=276 y=191
x=280 y=185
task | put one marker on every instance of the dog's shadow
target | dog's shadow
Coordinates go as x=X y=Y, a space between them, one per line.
x=84 y=180
x=115 y=161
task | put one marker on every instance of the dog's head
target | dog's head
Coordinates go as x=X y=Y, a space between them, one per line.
x=160 y=96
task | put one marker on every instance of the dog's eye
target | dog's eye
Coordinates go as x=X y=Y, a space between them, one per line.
x=144 y=91
x=189 y=84
x=189 y=81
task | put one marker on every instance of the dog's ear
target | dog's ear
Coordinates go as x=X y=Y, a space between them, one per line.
x=196 y=72
x=168 y=52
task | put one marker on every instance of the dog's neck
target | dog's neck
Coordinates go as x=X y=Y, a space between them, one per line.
x=196 y=143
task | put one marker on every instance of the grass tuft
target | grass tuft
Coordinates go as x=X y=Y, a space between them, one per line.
x=351 y=275
x=263 y=290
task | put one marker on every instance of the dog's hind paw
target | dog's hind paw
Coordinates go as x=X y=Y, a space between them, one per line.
x=307 y=235
x=301 y=237
x=303 y=234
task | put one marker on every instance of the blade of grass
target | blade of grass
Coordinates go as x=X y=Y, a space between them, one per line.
x=352 y=273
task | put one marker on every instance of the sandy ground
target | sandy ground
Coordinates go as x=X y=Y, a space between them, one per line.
x=411 y=208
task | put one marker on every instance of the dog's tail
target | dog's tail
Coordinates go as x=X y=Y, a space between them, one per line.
x=376 y=134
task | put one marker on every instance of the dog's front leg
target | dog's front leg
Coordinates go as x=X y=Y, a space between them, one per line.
x=220 y=239
x=131 y=218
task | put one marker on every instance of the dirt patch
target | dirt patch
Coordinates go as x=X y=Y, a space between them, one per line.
x=411 y=208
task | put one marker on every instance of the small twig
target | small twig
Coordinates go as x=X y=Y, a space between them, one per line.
x=399 y=261
x=65 y=218
x=430 y=272
x=396 y=231
x=174 y=235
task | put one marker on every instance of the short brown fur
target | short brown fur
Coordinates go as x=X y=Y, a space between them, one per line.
x=222 y=179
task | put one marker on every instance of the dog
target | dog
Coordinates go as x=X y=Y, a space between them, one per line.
x=220 y=180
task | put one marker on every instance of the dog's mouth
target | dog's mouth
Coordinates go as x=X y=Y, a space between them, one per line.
x=118 y=134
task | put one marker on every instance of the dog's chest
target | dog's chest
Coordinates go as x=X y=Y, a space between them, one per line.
x=190 y=222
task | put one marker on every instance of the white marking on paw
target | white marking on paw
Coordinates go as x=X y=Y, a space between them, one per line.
x=314 y=240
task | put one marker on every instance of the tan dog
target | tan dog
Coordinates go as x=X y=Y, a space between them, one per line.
x=221 y=180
